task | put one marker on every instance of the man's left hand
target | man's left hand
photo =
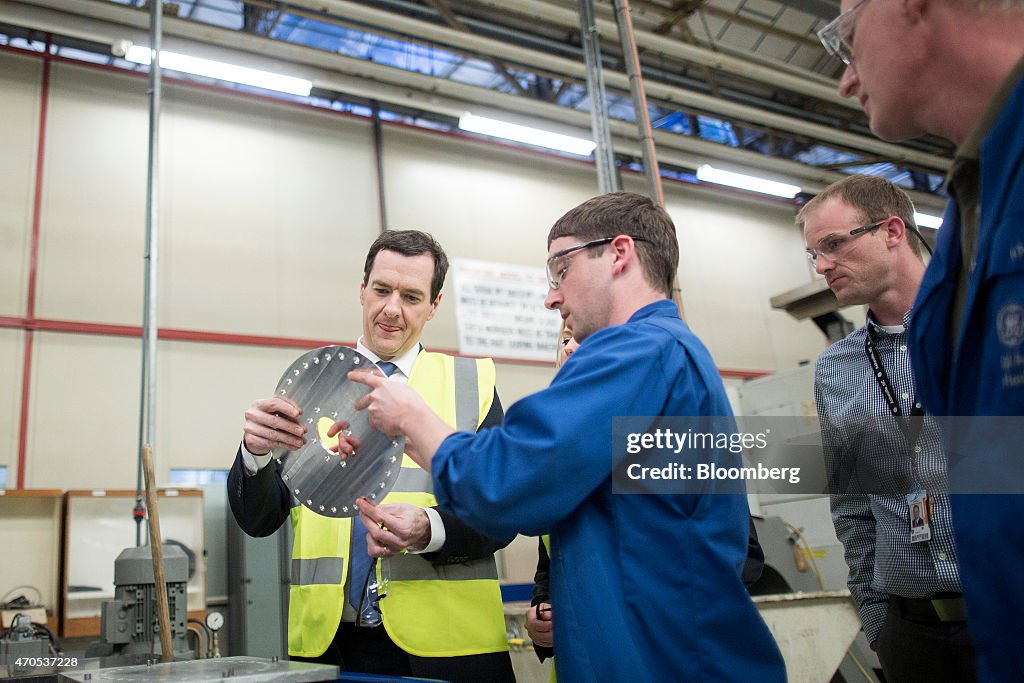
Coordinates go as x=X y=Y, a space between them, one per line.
x=393 y=528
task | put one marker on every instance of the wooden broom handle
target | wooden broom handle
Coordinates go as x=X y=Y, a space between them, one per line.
x=163 y=610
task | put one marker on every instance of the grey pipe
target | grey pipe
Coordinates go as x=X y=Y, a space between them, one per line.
x=636 y=89
x=147 y=408
x=604 y=154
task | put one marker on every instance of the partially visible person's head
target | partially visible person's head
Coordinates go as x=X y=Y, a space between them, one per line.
x=881 y=71
x=401 y=290
x=566 y=345
x=612 y=248
x=922 y=67
x=859 y=267
x=873 y=198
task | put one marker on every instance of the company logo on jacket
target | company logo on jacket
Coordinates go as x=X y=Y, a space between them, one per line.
x=1010 y=325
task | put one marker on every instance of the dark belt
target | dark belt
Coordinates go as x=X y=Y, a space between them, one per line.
x=933 y=608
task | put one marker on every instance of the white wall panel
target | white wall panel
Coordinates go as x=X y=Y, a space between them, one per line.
x=265 y=210
x=83 y=426
x=19 y=128
x=94 y=180
x=204 y=390
x=268 y=212
x=84 y=419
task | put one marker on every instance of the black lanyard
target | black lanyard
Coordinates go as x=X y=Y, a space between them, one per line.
x=910 y=428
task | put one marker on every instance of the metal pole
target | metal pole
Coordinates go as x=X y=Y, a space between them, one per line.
x=636 y=87
x=604 y=155
x=378 y=151
x=147 y=408
x=643 y=119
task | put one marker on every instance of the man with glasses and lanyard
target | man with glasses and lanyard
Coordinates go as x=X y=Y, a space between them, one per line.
x=443 y=617
x=647 y=587
x=904 y=577
x=955 y=69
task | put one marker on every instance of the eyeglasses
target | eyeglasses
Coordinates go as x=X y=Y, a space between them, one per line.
x=558 y=263
x=837 y=36
x=833 y=246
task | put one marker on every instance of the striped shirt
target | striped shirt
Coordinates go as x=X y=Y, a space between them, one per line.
x=875 y=529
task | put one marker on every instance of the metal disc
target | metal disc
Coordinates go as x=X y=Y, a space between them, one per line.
x=317 y=476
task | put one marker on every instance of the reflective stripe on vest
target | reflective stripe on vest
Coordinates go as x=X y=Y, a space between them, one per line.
x=429 y=611
x=413 y=480
x=318 y=570
x=467 y=396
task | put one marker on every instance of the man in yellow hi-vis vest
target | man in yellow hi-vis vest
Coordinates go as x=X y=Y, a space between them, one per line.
x=442 y=616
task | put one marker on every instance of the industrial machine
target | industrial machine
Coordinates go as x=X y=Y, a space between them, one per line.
x=25 y=640
x=802 y=552
x=129 y=622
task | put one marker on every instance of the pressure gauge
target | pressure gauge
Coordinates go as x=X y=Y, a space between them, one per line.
x=215 y=620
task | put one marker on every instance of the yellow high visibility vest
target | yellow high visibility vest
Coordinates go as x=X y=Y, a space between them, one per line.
x=430 y=610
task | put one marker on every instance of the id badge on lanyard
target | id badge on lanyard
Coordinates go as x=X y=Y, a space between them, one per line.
x=918 y=502
x=919 y=505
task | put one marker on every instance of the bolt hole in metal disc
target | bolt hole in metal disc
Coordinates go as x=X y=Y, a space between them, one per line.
x=317 y=477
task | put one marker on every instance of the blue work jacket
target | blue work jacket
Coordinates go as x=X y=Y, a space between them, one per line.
x=983 y=375
x=643 y=587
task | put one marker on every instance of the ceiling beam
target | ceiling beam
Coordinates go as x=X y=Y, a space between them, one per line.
x=824 y=9
x=108 y=23
x=711 y=10
x=559 y=67
x=499 y=66
x=809 y=85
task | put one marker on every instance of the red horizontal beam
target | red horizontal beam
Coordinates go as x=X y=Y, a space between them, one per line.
x=109 y=330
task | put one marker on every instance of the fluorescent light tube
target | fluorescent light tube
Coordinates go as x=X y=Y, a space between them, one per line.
x=221 y=71
x=710 y=174
x=923 y=220
x=530 y=136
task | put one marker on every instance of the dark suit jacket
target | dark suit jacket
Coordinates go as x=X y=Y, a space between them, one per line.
x=542 y=592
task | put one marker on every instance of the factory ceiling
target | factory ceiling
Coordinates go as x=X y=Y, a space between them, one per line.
x=740 y=82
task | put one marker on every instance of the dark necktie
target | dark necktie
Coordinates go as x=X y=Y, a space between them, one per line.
x=362 y=564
